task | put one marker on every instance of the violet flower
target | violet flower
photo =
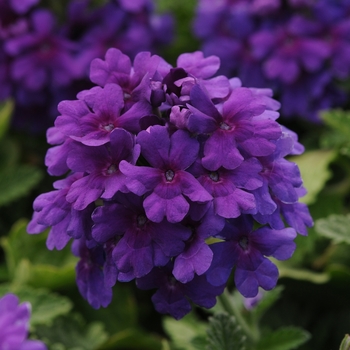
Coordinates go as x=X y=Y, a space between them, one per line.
x=248 y=251
x=14 y=325
x=167 y=179
x=300 y=49
x=159 y=162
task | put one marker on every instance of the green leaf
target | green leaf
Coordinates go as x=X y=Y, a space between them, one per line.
x=72 y=333
x=5 y=116
x=18 y=181
x=30 y=262
x=132 y=339
x=46 y=306
x=335 y=227
x=314 y=168
x=300 y=274
x=338 y=134
x=338 y=119
x=285 y=338
x=224 y=333
x=345 y=344
x=184 y=333
x=267 y=301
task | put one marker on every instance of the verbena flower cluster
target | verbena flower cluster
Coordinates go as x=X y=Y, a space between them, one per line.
x=299 y=48
x=45 y=59
x=14 y=325
x=174 y=177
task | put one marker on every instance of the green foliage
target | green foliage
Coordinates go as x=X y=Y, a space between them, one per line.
x=30 y=262
x=285 y=338
x=225 y=333
x=314 y=168
x=186 y=334
x=46 y=306
x=72 y=333
x=17 y=182
x=16 y=178
x=6 y=109
x=183 y=11
x=345 y=344
x=335 y=227
x=337 y=136
x=132 y=338
x=269 y=299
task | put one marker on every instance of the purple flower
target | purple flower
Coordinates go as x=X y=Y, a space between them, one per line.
x=247 y=251
x=101 y=165
x=98 y=111
x=40 y=56
x=238 y=126
x=14 y=325
x=167 y=179
x=281 y=47
x=90 y=277
x=140 y=244
x=228 y=187
x=173 y=297
x=160 y=162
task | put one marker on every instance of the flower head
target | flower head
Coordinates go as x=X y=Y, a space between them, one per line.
x=161 y=161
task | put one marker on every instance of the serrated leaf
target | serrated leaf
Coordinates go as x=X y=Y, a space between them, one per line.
x=46 y=306
x=314 y=169
x=18 y=181
x=338 y=119
x=286 y=338
x=6 y=110
x=224 y=333
x=335 y=227
x=183 y=333
x=333 y=139
x=72 y=333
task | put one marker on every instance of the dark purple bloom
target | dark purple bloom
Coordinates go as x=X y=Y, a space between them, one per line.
x=196 y=257
x=247 y=251
x=161 y=162
x=173 y=297
x=240 y=125
x=51 y=209
x=22 y=6
x=14 y=325
x=40 y=56
x=98 y=111
x=90 y=278
x=281 y=47
x=140 y=244
x=228 y=187
x=103 y=178
x=168 y=179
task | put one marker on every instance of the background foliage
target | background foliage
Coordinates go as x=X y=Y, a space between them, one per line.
x=310 y=309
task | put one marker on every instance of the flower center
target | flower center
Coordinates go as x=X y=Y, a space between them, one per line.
x=126 y=96
x=108 y=127
x=112 y=169
x=141 y=220
x=244 y=242
x=224 y=126
x=214 y=175
x=169 y=175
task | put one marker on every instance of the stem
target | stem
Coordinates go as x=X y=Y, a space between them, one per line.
x=230 y=306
